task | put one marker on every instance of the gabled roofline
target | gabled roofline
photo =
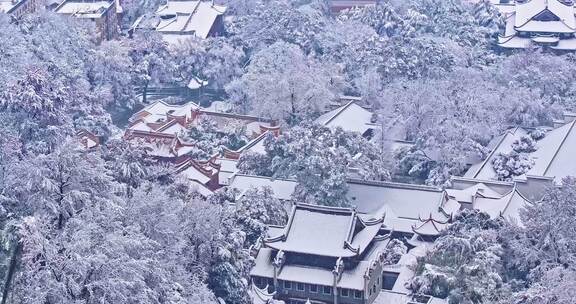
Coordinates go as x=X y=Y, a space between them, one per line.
x=342 y=109
x=560 y=146
x=508 y=132
x=16 y=6
x=424 y=222
x=110 y=4
x=482 y=181
x=512 y=193
x=347 y=244
x=394 y=185
x=251 y=143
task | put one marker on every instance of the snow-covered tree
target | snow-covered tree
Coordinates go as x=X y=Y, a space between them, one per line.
x=509 y=165
x=321 y=160
x=456 y=117
x=216 y=60
x=383 y=17
x=256 y=209
x=466 y=264
x=208 y=139
x=269 y=22
x=557 y=285
x=283 y=83
x=547 y=241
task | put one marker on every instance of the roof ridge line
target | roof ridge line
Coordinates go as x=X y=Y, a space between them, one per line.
x=252 y=143
x=305 y=206
x=494 y=150
x=190 y=15
x=351 y=228
x=509 y=200
x=560 y=146
x=483 y=181
x=266 y=177
x=339 y=112
x=395 y=185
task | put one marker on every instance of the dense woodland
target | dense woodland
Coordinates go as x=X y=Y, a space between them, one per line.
x=116 y=226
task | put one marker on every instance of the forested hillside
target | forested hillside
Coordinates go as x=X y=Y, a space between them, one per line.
x=116 y=225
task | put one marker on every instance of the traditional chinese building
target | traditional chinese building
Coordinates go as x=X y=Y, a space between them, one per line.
x=550 y=23
x=102 y=15
x=179 y=20
x=323 y=254
x=162 y=125
x=17 y=8
x=337 y=255
x=496 y=199
x=161 y=129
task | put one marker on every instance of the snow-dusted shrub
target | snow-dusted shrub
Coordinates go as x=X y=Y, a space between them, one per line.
x=538 y=134
x=508 y=165
x=525 y=144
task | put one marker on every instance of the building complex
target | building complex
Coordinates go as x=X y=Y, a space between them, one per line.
x=550 y=23
x=179 y=20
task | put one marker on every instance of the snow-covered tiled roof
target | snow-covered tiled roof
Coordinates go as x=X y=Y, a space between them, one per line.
x=505 y=8
x=228 y=168
x=161 y=108
x=6 y=6
x=352 y=277
x=507 y=206
x=545 y=19
x=566 y=45
x=84 y=9
x=484 y=169
x=350 y=117
x=553 y=156
x=525 y=11
x=564 y=12
x=429 y=227
x=514 y=42
x=179 y=20
x=404 y=204
x=326 y=231
x=545 y=27
x=484 y=196
x=195 y=175
x=406 y=200
x=467 y=195
x=282 y=188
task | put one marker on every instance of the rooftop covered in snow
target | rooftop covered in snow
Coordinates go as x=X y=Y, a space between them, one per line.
x=404 y=204
x=7 y=6
x=350 y=117
x=553 y=156
x=84 y=9
x=550 y=23
x=178 y=20
x=326 y=231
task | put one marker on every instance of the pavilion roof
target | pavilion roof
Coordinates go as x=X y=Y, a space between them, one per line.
x=527 y=11
x=429 y=227
x=326 y=231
